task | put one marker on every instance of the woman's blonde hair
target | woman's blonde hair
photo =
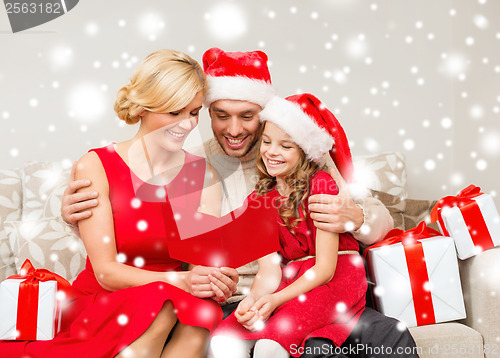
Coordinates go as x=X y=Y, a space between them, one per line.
x=298 y=179
x=165 y=81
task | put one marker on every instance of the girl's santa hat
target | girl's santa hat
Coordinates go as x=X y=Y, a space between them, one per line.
x=238 y=76
x=313 y=127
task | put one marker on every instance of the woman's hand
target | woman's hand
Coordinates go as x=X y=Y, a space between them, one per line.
x=219 y=284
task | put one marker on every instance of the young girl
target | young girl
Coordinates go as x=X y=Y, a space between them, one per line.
x=323 y=284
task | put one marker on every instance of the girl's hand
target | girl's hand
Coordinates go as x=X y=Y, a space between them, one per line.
x=265 y=306
x=243 y=314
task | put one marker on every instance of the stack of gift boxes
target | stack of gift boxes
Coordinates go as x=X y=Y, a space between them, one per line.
x=416 y=272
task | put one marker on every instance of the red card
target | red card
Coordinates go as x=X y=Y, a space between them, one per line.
x=240 y=237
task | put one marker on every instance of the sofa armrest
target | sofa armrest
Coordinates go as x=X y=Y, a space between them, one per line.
x=481 y=288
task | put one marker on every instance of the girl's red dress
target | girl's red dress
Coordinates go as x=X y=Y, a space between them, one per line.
x=100 y=323
x=329 y=311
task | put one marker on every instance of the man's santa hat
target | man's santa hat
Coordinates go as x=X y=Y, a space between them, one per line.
x=313 y=128
x=238 y=76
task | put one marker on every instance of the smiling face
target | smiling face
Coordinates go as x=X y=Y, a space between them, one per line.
x=235 y=125
x=169 y=130
x=279 y=153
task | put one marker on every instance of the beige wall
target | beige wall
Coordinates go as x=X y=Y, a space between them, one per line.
x=417 y=76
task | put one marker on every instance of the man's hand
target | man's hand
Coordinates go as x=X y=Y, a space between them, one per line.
x=76 y=206
x=219 y=284
x=336 y=213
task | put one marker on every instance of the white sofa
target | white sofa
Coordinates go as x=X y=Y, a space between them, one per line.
x=30 y=227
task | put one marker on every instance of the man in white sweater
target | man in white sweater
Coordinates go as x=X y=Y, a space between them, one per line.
x=239 y=86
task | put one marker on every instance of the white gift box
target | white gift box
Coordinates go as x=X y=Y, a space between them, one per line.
x=393 y=291
x=47 y=325
x=456 y=225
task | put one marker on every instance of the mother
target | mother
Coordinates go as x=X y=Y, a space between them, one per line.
x=132 y=295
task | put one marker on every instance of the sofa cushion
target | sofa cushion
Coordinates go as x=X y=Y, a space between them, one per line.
x=43 y=188
x=417 y=211
x=450 y=339
x=10 y=209
x=395 y=205
x=384 y=172
x=49 y=244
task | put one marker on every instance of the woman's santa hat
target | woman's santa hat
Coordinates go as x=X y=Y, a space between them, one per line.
x=313 y=127
x=238 y=76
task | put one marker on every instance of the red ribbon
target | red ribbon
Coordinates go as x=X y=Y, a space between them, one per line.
x=27 y=310
x=417 y=269
x=471 y=213
x=463 y=198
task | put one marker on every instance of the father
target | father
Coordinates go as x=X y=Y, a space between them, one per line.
x=239 y=86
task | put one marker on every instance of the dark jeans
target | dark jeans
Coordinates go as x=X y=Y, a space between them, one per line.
x=375 y=336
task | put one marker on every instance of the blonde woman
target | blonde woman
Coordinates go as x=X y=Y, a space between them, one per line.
x=132 y=296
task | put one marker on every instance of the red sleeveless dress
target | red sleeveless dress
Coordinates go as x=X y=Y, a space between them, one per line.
x=330 y=310
x=100 y=323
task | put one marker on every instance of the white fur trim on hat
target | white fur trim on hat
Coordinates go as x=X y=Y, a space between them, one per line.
x=238 y=88
x=303 y=130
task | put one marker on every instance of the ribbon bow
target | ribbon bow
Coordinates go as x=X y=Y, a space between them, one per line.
x=409 y=237
x=27 y=310
x=464 y=197
x=31 y=274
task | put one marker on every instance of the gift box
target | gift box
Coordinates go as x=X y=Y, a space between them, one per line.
x=471 y=219
x=416 y=277
x=30 y=304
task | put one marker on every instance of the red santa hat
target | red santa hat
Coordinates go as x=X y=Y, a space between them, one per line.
x=313 y=128
x=237 y=75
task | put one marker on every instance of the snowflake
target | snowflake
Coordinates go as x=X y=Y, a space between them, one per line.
x=481 y=164
x=446 y=123
x=121 y=258
x=476 y=112
x=142 y=225
x=469 y=41
x=341 y=307
x=481 y=22
x=430 y=164
x=349 y=226
x=92 y=29
x=409 y=144
x=139 y=261
x=490 y=143
x=226 y=21
x=309 y=275
x=81 y=96
x=60 y=57
x=371 y=145
x=151 y=25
